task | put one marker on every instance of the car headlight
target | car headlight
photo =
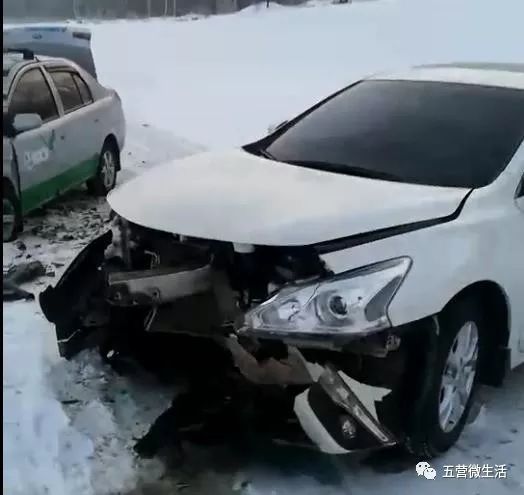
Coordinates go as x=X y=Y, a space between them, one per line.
x=354 y=302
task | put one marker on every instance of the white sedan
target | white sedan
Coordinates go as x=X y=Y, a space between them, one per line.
x=364 y=262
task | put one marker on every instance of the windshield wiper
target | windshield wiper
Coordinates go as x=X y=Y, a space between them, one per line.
x=339 y=168
x=266 y=154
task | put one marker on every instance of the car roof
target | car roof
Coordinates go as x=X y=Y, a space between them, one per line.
x=505 y=75
x=13 y=62
x=13 y=58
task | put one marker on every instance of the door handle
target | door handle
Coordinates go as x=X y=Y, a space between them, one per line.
x=62 y=137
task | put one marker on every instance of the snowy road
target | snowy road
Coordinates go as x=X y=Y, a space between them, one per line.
x=68 y=427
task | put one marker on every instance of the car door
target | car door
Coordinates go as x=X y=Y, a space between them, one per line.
x=36 y=150
x=79 y=160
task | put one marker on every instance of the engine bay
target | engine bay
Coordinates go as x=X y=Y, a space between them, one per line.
x=176 y=306
x=173 y=275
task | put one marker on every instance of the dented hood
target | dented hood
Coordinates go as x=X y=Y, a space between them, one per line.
x=238 y=197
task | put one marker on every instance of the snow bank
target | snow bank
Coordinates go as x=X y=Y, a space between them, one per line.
x=42 y=453
x=87 y=451
x=112 y=412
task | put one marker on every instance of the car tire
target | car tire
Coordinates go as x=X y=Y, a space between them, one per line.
x=108 y=165
x=11 y=215
x=446 y=398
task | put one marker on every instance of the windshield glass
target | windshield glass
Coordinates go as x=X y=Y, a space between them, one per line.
x=439 y=134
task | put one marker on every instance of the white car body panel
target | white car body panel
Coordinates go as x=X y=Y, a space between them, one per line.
x=451 y=256
x=483 y=77
x=251 y=200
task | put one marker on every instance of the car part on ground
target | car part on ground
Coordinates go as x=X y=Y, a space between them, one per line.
x=20 y=274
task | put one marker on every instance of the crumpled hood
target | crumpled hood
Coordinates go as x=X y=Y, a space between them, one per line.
x=238 y=197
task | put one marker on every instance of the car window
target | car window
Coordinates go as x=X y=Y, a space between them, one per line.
x=85 y=93
x=439 y=134
x=67 y=89
x=33 y=95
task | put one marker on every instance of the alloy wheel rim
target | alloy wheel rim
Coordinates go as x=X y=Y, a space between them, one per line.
x=108 y=169
x=8 y=218
x=458 y=376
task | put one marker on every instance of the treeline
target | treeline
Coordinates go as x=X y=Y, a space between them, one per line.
x=118 y=9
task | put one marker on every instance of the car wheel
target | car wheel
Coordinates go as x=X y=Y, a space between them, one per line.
x=452 y=381
x=11 y=217
x=105 y=178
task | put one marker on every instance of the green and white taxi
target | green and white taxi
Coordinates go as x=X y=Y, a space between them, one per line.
x=61 y=127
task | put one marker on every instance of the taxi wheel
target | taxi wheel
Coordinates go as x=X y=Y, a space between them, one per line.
x=108 y=165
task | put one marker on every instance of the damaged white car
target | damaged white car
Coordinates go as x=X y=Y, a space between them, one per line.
x=350 y=278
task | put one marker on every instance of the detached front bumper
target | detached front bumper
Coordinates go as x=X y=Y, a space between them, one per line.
x=337 y=420
x=78 y=293
x=338 y=414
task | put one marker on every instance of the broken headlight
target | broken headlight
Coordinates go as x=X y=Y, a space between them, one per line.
x=351 y=302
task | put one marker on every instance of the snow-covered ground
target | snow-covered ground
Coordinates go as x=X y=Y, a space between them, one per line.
x=223 y=79
x=220 y=81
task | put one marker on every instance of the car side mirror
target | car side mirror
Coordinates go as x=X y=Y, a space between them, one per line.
x=26 y=122
x=273 y=128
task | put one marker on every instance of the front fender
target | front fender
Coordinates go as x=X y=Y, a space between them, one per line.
x=446 y=259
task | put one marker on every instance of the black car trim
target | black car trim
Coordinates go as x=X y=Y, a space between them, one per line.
x=377 y=235
x=260 y=145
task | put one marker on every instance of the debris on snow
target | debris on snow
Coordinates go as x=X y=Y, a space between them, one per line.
x=20 y=274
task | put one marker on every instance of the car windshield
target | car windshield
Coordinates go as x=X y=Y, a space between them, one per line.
x=431 y=133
